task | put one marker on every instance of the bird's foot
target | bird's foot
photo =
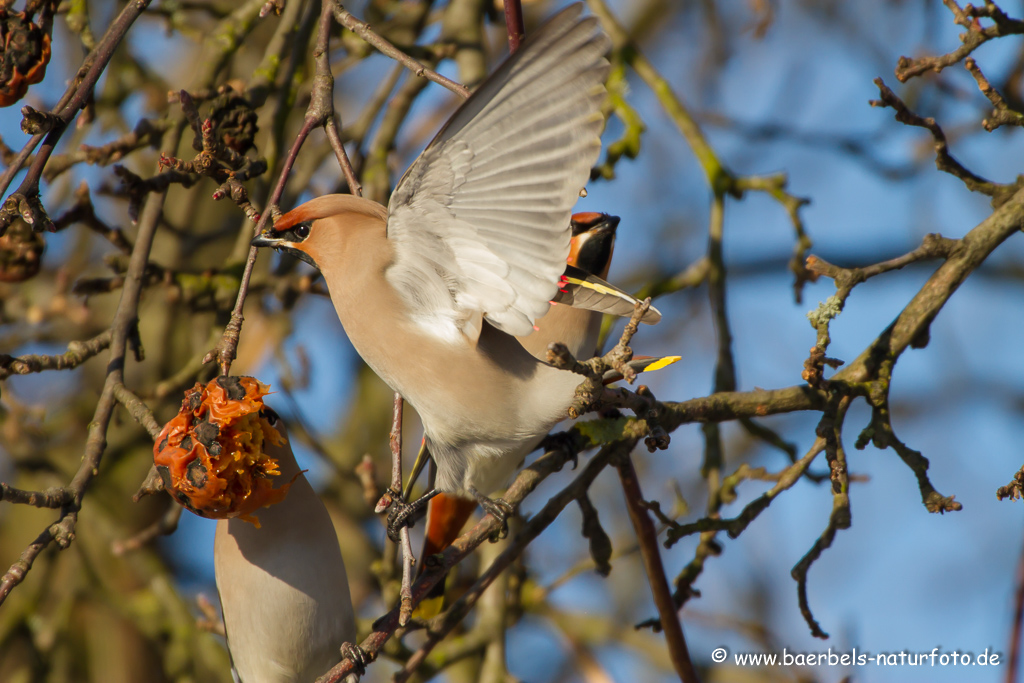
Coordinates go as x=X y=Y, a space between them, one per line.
x=403 y=514
x=497 y=508
x=567 y=442
x=359 y=657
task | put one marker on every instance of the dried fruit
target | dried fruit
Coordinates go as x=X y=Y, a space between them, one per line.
x=21 y=252
x=211 y=455
x=26 y=52
x=234 y=120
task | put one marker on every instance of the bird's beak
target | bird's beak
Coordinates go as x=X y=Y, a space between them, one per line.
x=280 y=242
x=594 y=223
x=266 y=239
x=607 y=224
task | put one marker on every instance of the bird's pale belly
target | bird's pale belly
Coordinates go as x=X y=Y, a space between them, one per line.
x=484 y=407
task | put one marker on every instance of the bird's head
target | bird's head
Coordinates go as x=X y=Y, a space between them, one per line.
x=309 y=231
x=593 y=241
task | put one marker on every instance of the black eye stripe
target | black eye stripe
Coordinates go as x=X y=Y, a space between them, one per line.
x=297 y=233
x=595 y=252
x=270 y=416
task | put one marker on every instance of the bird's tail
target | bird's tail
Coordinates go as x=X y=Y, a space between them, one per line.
x=446 y=515
x=641 y=364
x=580 y=289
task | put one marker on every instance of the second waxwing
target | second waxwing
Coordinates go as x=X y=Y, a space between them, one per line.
x=590 y=250
x=283 y=588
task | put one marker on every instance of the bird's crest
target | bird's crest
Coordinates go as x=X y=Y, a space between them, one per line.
x=329 y=205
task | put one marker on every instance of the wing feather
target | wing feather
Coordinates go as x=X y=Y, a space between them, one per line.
x=480 y=221
x=582 y=290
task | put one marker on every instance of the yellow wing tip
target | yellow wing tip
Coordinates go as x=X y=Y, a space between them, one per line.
x=429 y=607
x=663 y=362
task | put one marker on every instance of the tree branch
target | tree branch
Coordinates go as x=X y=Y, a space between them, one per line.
x=25 y=200
x=78 y=352
x=363 y=30
x=123 y=327
x=648 y=538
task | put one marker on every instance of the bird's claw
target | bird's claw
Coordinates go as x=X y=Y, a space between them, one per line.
x=359 y=657
x=402 y=514
x=501 y=511
x=565 y=442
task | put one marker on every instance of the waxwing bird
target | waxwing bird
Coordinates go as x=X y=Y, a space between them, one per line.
x=433 y=289
x=283 y=589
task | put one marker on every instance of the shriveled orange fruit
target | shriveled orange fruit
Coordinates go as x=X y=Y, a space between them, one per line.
x=211 y=455
x=24 y=52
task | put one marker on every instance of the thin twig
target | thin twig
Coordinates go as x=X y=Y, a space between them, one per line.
x=514 y=23
x=1013 y=664
x=323 y=98
x=166 y=525
x=78 y=352
x=53 y=497
x=648 y=538
x=139 y=411
x=393 y=496
x=932 y=246
x=1001 y=114
x=944 y=161
x=405 y=596
x=25 y=200
x=735 y=526
x=227 y=348
x=971 y=39
x=363 y=30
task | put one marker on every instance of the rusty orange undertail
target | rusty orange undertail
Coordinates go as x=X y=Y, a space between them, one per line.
x=446 y=515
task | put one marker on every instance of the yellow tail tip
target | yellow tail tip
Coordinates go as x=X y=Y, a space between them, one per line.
x=662 y=363
x=429 y=607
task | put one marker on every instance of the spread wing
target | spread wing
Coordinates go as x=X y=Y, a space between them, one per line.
x=480 y=221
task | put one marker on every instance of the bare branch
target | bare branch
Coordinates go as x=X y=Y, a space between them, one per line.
x=25 y=200
x=944 y=161
x=78 y=352
x=139 y=411
x=124 y=326
x=974 y=37
x=363 y=30
x=648 y=538
x=54 y=497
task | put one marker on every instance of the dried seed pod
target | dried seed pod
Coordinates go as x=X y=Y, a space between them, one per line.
x=21 y=252
x=26 y=52
x=234 y=120
x=211 y=455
